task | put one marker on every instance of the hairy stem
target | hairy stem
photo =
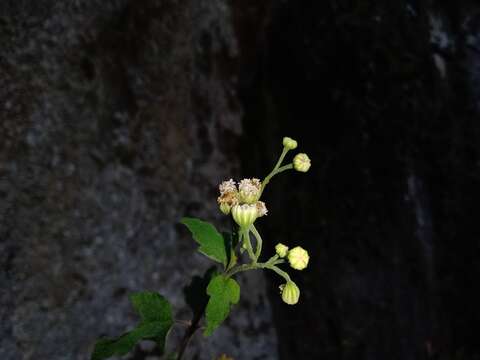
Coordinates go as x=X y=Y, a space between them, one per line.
x=248 y=245
x=259 y=242
x=279 y=272
x=277 y=165
x=273 y=173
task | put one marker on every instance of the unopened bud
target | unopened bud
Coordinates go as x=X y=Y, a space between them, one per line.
x=290 y=293
x=298 y=258
x=244 y=215
x=289 y=143
x=281 y=250
x=249 y=190
x=225 y=208
x=301 y=162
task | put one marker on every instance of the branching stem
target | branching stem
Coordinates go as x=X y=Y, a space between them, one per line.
x=273 y=173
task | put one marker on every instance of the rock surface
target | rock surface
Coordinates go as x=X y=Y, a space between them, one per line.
x=117 y=118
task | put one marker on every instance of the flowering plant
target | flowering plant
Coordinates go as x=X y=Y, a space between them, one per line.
x=215 y=293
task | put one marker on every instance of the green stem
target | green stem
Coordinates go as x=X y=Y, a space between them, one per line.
x=270 y=264
x=280 y=159
x=283 y=168
x=273 y=173
x=248 y=244
x=259 y=242
x=244 y=267
x=279 y=272
x=277 y=165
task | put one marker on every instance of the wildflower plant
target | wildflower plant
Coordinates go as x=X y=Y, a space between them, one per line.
x=217 y=291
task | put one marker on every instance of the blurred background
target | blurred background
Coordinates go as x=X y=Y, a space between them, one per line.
x=118 y=117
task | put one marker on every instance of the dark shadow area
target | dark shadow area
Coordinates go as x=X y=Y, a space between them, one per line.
x=383 y=97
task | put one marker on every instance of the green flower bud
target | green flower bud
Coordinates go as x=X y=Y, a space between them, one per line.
x=290 y=293
x=301 y=162
x=289 y=143
x=225 y=208
x=245 y=215
x=249 y=190
x=298 y=258
x=281 y=250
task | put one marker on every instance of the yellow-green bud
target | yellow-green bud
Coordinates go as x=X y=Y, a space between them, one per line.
x=290 y=293
x=225 y=208
x=298 y=258
x=301 y=162
x=281 y=250
x=249 y=190
x=289 y=143
x=245 y=215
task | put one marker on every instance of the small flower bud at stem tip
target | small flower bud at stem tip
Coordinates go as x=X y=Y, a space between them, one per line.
x=290 y=293
x=281 y=250
x=301 y=162
x=289 y=143
x=225 y=208
x=298 y=258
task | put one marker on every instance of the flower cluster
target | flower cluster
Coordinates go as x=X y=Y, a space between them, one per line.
x=242 y=201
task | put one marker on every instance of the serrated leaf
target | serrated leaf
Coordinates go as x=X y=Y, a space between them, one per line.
x=224 y=292
x=151 y=306
x=196 y=292
x=156 y=314
x=211 y=241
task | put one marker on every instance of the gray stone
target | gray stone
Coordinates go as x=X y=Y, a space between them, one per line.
x=116 y=120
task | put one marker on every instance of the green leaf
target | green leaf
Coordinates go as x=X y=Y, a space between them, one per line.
x=156 y=320
x=195 y=293
x=212 y=243
x=151 y=307
x=224 y=292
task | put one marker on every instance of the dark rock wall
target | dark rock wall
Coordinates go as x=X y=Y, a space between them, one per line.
x=117 y=118
x=384 y=98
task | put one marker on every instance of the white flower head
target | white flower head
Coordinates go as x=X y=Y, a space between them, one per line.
x=249 y=190
x=227 y=186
